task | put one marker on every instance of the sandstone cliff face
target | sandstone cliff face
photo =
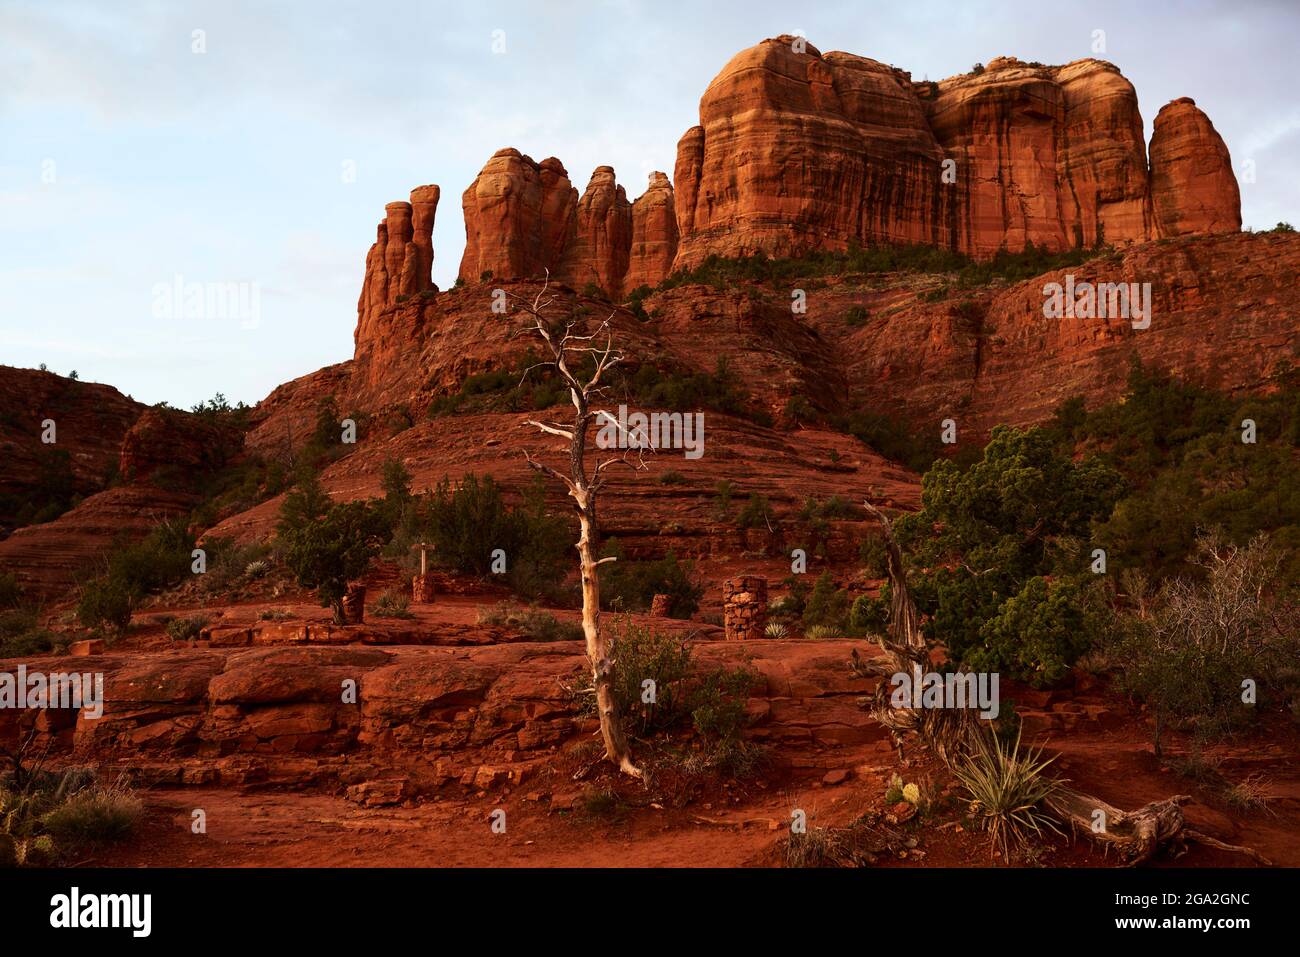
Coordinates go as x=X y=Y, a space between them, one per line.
x=654 y=235
x=1048 y=155
x=182 y=441
x=524 y=219
x=602 y=240
x=1193 y=189
x=518 y=217
x=1222 y=313
x=49 y=558
x=797 y=150
x=400 y=262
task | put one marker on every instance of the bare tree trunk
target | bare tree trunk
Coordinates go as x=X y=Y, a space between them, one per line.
x=566 y=345
x=598 y=650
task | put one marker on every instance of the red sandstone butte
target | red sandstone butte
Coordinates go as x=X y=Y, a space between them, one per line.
x=798 y=150
x=654 y=235
x=598 y=252
x=400 y=262
x=518 y=217
x=524 y=219
x=1193 y=189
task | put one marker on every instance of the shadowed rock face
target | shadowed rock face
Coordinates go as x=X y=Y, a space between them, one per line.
x=1193 y=189
x=602 y=240
x=654 y=235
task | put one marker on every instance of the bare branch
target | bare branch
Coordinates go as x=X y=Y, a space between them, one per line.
x=551 y=429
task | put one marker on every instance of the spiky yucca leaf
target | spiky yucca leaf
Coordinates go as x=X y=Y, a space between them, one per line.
x=1007 y=790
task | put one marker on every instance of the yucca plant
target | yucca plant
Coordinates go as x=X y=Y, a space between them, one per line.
x=775 y=629
x=1007 y=790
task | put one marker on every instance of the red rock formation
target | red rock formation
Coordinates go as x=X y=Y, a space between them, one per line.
x=89 y=422
x=518 y=217
x=796 y=151
x=1048 y=155
x=400 y=262
x=523 y=219
x=602 y=240
x=1193 y=189
x=654 y=235
x=189 y=444
x=1222 y=313
x=50 y=558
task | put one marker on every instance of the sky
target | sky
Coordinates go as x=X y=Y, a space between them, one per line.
x=247 y=149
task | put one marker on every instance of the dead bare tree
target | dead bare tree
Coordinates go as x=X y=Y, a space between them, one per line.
x=951 y=732
x=568 y=345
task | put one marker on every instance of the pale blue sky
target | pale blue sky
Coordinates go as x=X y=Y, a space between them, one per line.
x=126 y=159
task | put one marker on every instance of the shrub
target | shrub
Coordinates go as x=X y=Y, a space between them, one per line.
x=392 y=603
x=465 y=523
x=874 y=556
x=647 y=655
x=892 y=437
x=228 y=564
x=21 y=634
x=713 y=700
x=629 y=585
x=826 y=606
x=1038 y=633
x=824 y=631
x=328 y=551
x=983 y=535
x=856 y=316
x=723 y=492
x=796 y=601
x=43 y=813
x=186 y=629
x=719 y=703
x=1187 y=658
x=757 y=513
x=869 y=615
x=775 y=629
x=536 y=625
x=11 y=594
x=94 y=815
x=1007 y=790
x=105 y=603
